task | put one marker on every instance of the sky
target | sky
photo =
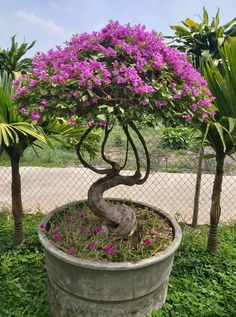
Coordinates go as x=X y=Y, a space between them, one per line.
x=52 y=22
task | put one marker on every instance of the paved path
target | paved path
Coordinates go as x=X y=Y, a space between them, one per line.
x=45 y=188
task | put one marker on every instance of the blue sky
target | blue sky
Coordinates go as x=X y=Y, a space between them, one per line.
x=51 y=22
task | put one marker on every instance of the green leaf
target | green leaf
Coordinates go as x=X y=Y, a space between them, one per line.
x=205 y=16
x=101 y=116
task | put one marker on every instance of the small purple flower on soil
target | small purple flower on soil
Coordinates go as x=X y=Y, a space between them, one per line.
x=42 y=226
x=110 y=249
x=69 y=220
x=148 y=243
x=82 y=228
x=92 y=245
x=56 y=232
x=71 y=250
x=99 y=229
x=56 y=237
x=81 y=215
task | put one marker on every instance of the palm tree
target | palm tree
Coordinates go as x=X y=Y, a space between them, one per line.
x=202 y=41
x=15 y=136
x=221 y=135
x=12 y=61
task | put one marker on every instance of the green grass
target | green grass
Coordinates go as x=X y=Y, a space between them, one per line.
x=201 y=284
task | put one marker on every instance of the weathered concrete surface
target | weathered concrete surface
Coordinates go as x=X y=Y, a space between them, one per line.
x=46 y=188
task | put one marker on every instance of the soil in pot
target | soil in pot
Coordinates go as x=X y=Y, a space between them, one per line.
x=76 y=230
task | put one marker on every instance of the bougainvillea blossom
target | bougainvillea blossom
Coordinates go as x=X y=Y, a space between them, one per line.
x=120 y=71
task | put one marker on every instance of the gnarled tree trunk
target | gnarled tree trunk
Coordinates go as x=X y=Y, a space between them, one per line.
x=17 y=208
x=119 y=219
x=215 y=204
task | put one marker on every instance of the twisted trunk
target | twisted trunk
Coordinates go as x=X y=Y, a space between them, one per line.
x=17 y=208
x=215 y=204
x=119 y=219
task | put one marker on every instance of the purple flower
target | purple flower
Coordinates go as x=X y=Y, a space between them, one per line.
x=75 y=94
x=44 y=102
x=90 y=123
x=32 y=83
x=82 y=228
x=81 y=215
x=103 y=123
x=99 y=229
x=86 y=103
x=187 y=117
x=204 y=116
x=71 y=120
x=92 y=245
x=213 y=114
x=35 y=115
x=148 y=243
x=145 y=102
x=110 y=249
x=55 y=232
x=194 y=106
x=69 y=220
x=56 y=237
x=42 y=226
x=94 y=99
x=71 y=250
x=22 y=110
x=176 y=96
x=160 y=103
x=15 y=83
x=21 y=90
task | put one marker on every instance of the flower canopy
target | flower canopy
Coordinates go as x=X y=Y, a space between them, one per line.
x=120 y=71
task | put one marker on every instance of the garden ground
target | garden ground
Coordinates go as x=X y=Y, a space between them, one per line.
x=201 y=285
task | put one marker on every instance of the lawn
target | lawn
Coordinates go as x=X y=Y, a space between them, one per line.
x=201 y=284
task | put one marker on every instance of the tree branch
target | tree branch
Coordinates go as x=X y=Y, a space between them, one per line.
x=82 y=160
x=107 y=132
x=130 y=140
x=136 y=130
x=126 y=154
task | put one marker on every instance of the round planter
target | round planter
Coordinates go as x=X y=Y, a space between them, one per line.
x=79 y=287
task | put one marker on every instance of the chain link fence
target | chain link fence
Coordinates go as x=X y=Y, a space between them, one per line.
x=52 y=178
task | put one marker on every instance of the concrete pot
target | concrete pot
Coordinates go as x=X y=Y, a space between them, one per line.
x=84 y=288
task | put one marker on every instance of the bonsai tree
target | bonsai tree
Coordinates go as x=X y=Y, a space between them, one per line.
x=120 y=75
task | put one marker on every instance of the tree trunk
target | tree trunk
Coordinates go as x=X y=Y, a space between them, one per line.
x=215 y=204
x=17 y=208
x=120 y=219
x=197 y=189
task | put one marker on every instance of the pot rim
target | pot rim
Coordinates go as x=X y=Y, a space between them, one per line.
x=161 y=256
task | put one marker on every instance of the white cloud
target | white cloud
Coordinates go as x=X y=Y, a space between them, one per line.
x=43 y=24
